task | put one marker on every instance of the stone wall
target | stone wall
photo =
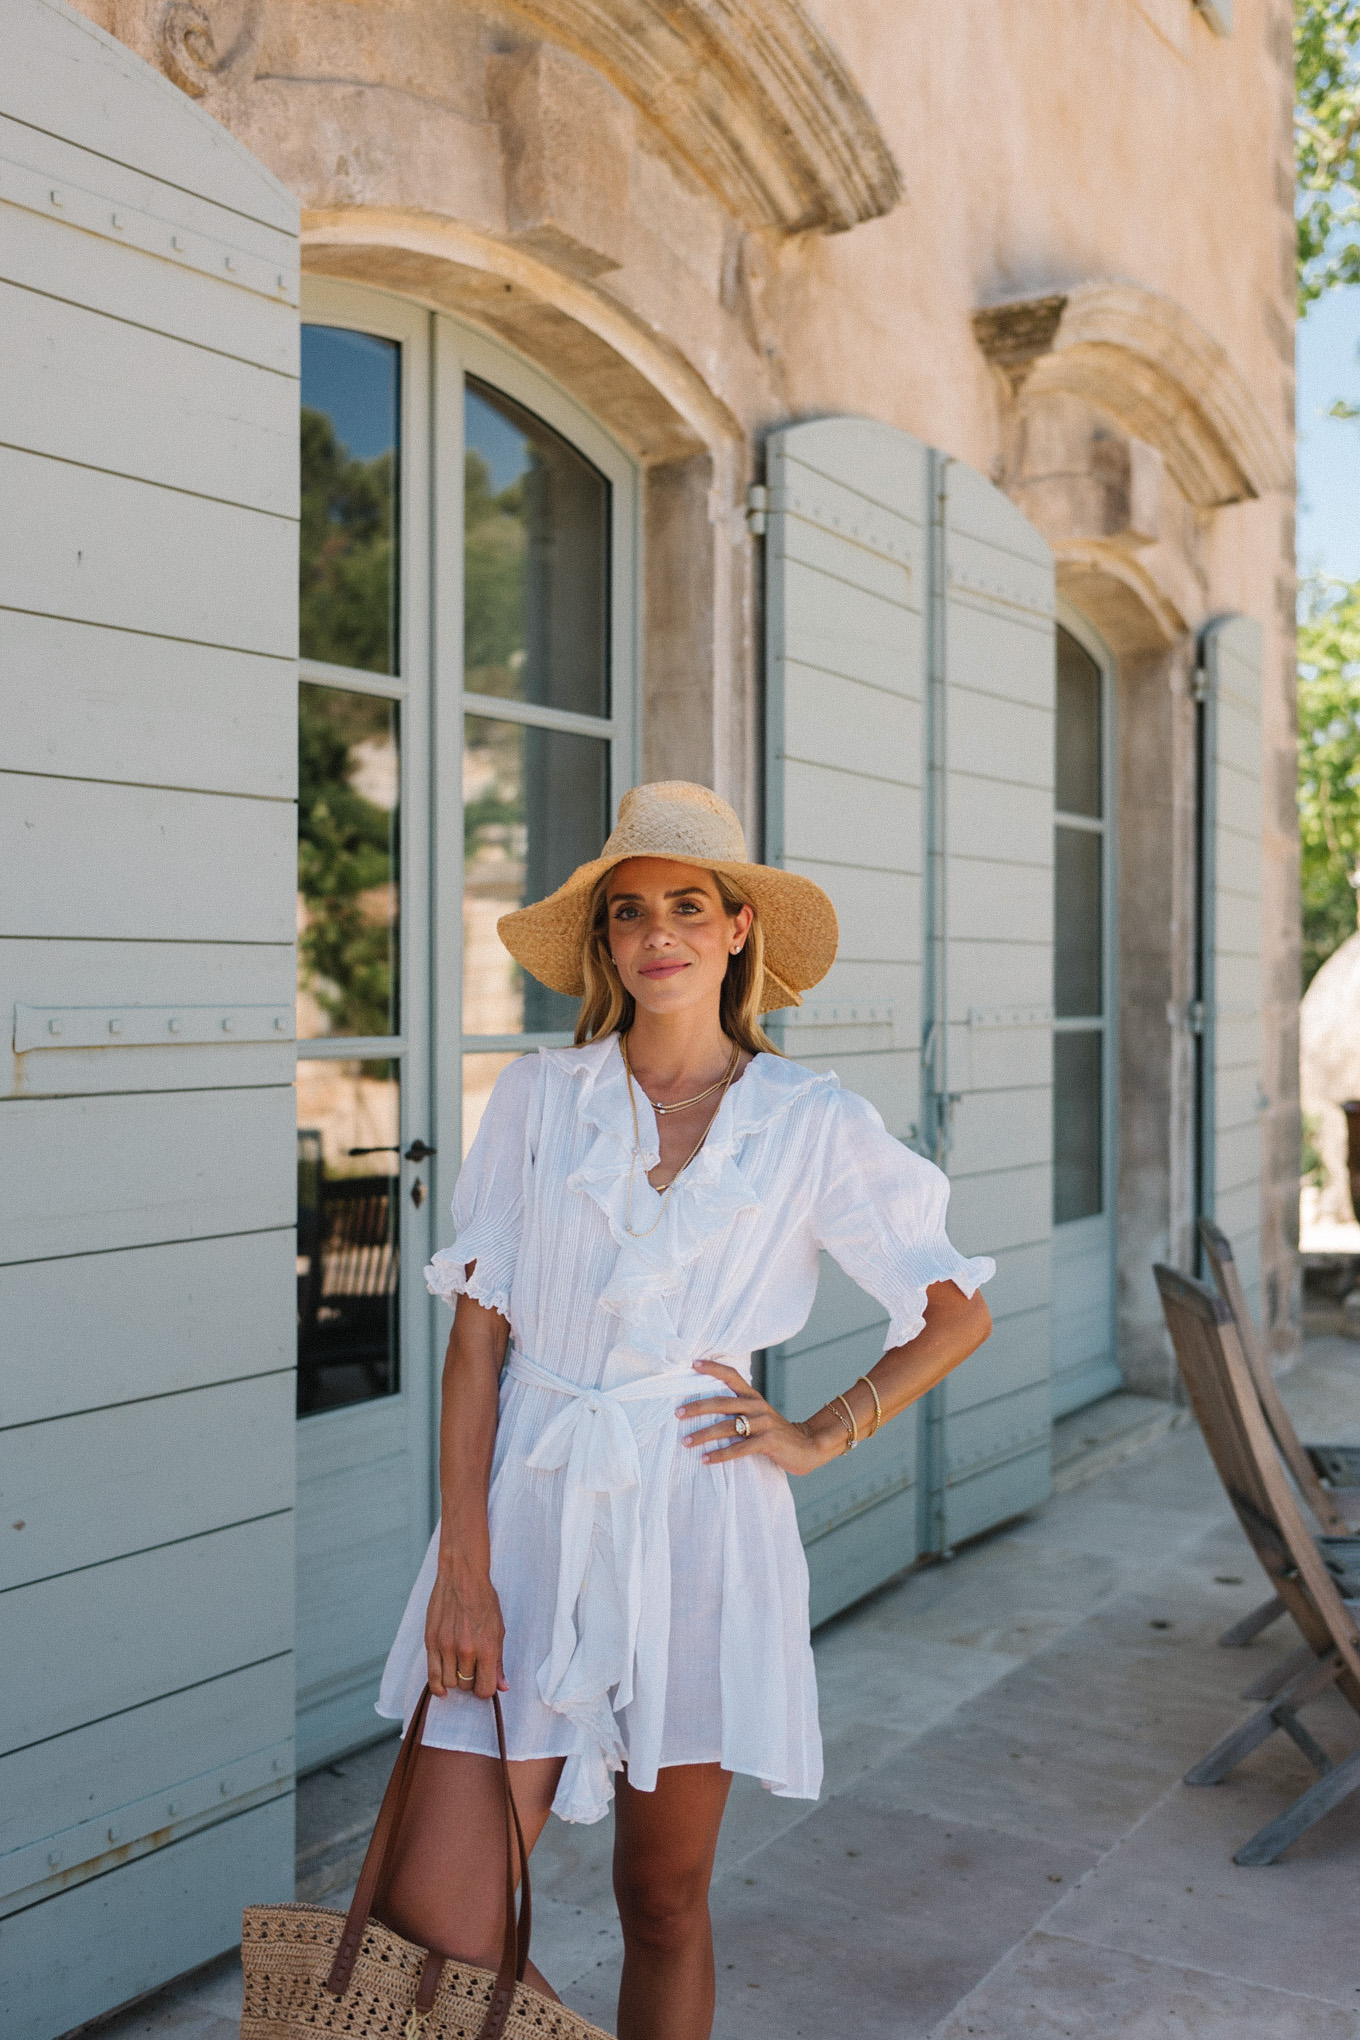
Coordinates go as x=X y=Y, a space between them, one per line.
x=1054 y=239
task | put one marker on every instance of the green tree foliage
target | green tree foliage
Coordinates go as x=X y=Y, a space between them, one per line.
x=346 y=864
x=1329 y=766
x=495 y=559
x=495 y=549
x=347 y=545
x=1327 y=143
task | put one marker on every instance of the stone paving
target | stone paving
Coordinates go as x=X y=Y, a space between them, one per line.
x=1003 y=1847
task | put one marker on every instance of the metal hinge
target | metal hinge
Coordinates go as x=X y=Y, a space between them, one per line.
x=1199 y=683
x=757 y=503
x=1197 y=1016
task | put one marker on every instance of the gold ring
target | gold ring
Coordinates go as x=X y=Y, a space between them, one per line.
x=466 y=1678
x=742 y=1426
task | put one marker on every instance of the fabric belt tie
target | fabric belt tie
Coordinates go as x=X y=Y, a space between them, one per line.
x=614 y=1573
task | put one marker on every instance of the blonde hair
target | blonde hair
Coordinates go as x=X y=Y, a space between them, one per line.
x=606 y=1008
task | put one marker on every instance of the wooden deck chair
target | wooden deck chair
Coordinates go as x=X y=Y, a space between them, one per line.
x=1328 y=1476
x=1224 y=1400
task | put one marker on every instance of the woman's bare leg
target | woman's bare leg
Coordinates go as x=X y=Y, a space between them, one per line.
x=664 y=1843
x=447 y=1889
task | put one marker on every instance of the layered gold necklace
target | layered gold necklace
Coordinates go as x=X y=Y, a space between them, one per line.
x=680 y=1105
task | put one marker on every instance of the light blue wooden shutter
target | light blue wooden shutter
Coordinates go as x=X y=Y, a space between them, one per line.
x=988 y=1073
x=148 y=603
x=1230 y=942
x=845 y=674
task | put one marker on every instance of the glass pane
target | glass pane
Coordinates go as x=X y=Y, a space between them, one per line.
x=479 y=1076
x=535 y=561
x=351 y=407
x=1077 y=788
x=535 y=805
x=349 y=1120
x=1077 y=938
x=1077 y=1190
x=349 y=905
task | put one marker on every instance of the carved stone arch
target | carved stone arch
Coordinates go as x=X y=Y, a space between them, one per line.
x=1119 y=598
x=638 y=387
x=751 y=93
x=1143 y=358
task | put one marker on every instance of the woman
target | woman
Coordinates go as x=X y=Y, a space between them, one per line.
x=618 y=1553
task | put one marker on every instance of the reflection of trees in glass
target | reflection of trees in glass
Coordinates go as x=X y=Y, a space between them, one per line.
x=493 y=791
x=495 y=550
x=347 y=584
x=536 y=561
x=347 y=870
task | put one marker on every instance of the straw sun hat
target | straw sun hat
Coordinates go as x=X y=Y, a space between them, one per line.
x=671 y=818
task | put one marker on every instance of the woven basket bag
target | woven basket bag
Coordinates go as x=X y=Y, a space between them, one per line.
x=310 y=1971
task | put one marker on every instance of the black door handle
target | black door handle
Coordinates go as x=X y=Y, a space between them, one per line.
x=418 y=1151
x=373 y=1151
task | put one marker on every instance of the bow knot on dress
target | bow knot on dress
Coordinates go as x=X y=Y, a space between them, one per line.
x=656 y=1607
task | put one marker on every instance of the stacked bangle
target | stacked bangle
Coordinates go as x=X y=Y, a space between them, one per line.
x=847 y=1418
x=878 y=1407
x=847 y=1422
x=840 y=1406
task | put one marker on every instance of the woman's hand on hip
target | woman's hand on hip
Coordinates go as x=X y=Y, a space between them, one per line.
x=464 y=1634
x=745 y=1424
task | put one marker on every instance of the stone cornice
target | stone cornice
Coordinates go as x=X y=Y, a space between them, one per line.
x=752 y=95
x=637 y=384
x=1144 y=359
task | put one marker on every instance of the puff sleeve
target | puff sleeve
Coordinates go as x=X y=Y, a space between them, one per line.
x=488 y=1199
x=880 y=1212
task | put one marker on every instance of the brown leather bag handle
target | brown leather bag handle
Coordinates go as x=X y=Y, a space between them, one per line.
x=373 y=1879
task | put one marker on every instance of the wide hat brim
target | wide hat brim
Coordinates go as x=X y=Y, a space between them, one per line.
x=797 y=920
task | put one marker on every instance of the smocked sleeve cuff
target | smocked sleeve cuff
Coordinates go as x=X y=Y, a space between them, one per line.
x=493 y=1272
x=903 y=1288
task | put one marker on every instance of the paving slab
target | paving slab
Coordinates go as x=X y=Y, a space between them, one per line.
x=867 y=1921
x=205 y=2005
x=1003 y=1847
x=1171 y=1891
x=1052 y=1988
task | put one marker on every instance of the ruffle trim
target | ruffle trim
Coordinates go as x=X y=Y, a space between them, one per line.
x=711 y=1193
x=492 y=1275
x=947 y=1264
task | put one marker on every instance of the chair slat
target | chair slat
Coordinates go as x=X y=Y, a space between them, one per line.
x=1224 y=1397
x=1324 y=1505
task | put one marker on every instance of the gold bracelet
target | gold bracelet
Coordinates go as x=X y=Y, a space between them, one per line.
x=878 y=1407
x=846 y=1426
x=854 y=1427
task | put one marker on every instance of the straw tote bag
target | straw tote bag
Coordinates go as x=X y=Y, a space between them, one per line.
x=310 y=1971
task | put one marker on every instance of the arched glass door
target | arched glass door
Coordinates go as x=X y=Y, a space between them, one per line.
x=1084 y=1362
x=465 y=730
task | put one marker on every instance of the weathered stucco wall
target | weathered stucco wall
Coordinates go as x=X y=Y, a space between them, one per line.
x=638 y=197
